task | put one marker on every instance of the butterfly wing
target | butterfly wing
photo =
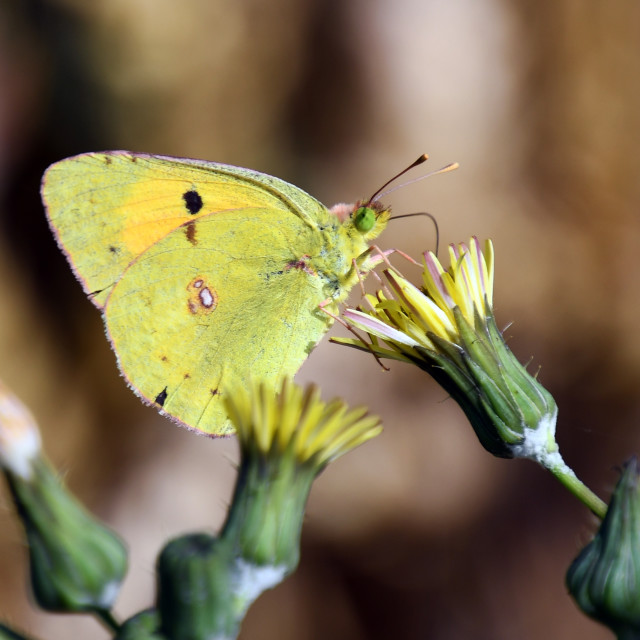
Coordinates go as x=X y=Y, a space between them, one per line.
x=106 y=209
x=200 y=270
x=187 y=316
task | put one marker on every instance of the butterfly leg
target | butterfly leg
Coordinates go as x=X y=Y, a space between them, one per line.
x=372 y=262
x=383 y=256
x=322 y=307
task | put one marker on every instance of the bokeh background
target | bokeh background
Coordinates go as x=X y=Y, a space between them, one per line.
x=420 y=533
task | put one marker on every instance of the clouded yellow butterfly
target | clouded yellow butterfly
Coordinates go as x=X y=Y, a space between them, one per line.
x=204 y=272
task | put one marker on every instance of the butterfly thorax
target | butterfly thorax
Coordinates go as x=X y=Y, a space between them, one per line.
x=344 y=246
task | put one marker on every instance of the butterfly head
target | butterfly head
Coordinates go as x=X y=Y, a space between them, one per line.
x=365 y=218
x=368 y=217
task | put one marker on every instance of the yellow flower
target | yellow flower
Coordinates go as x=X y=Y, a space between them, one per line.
x=297 y=422
x=465 y=288
x=287 y=437
x=447 y=328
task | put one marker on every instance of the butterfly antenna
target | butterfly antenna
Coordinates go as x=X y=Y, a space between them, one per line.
x=445 y=169
x=423 y=158
x=429 y=215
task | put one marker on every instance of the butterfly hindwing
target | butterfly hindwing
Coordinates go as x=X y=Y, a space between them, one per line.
x=235 y=303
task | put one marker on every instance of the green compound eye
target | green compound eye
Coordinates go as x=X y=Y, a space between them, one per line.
x=364 y=219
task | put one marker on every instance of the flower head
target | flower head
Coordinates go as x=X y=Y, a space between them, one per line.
x=447 y=328
x=297 y=423
x=287 y=437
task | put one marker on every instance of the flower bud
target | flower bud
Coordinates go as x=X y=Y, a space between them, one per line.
x=19 y=435
x=447 y=329
x=286 y=440
x=196 y=589
x=605 y=577
x=76 y=563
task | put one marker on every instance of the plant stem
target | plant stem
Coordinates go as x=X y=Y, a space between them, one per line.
x=569 y=479
x=107 y=619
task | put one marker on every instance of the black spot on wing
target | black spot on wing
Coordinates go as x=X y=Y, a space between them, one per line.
x=192 y=201
x=161 y=397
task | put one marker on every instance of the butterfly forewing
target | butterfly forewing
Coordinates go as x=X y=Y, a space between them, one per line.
x=108 y=208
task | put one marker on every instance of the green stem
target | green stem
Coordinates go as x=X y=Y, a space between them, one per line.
x=580 y=490
x=107 y=619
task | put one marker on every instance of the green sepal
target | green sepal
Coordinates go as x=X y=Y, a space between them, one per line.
x=267 y=510
x=516 y=373
x=475 y=392
x=529 y=413
x=502 y=409
x=476 y=346
x=452 y=351
x=458 y=383
x=76 y=563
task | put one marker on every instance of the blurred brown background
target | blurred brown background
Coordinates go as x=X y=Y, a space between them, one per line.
x=419 y=534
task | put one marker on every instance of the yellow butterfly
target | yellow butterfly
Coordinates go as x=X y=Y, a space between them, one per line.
x=204 y=272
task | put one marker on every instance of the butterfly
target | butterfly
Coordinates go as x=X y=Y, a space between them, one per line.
x=205 y=273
